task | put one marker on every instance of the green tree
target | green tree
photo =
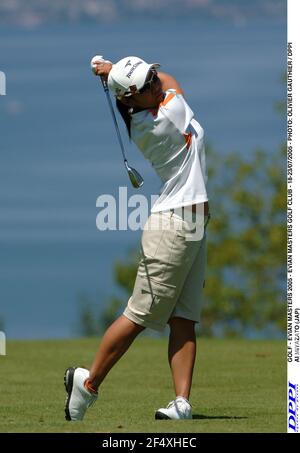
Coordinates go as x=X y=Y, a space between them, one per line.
x=245 y=285
x=89 y=319
x=93 y=320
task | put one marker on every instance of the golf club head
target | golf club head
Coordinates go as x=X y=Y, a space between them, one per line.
x=135 y=178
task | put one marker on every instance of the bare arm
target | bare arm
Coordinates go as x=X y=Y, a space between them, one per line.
x=168 y=82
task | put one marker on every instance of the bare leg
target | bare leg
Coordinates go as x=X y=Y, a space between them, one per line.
x=182 y=354
x=115 y=342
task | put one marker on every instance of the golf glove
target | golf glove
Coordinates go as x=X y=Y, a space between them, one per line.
x=98 y=59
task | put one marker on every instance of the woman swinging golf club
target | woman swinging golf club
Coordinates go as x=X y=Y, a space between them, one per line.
x=170 y=276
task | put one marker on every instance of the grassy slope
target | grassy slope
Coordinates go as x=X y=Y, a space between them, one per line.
x=239 y=386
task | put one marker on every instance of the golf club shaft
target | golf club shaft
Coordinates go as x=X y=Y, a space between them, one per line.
x=104 y=83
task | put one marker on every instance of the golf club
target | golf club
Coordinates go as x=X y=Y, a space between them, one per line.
x=134 y=176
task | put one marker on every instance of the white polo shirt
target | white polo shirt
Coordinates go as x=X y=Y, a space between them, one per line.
x=172 y=140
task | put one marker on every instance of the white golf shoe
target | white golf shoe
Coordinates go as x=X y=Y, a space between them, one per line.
x=79 y=399
x=178 y=409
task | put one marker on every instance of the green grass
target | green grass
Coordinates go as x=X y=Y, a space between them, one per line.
x=239 y=386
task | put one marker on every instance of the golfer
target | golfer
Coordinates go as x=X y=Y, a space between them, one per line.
x=170 y=276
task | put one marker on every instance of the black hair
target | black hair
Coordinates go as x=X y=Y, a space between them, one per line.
x=124 y=112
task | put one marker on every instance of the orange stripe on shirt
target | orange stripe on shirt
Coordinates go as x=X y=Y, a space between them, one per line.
x=167 y=99
x=188 y=139
x=164 y=102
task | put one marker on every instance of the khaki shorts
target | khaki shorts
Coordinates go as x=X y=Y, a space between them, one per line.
x=170 y=276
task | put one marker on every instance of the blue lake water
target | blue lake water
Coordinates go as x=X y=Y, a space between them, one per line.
x=59 y=152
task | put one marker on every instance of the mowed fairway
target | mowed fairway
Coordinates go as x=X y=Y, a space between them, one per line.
x=239 y=386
